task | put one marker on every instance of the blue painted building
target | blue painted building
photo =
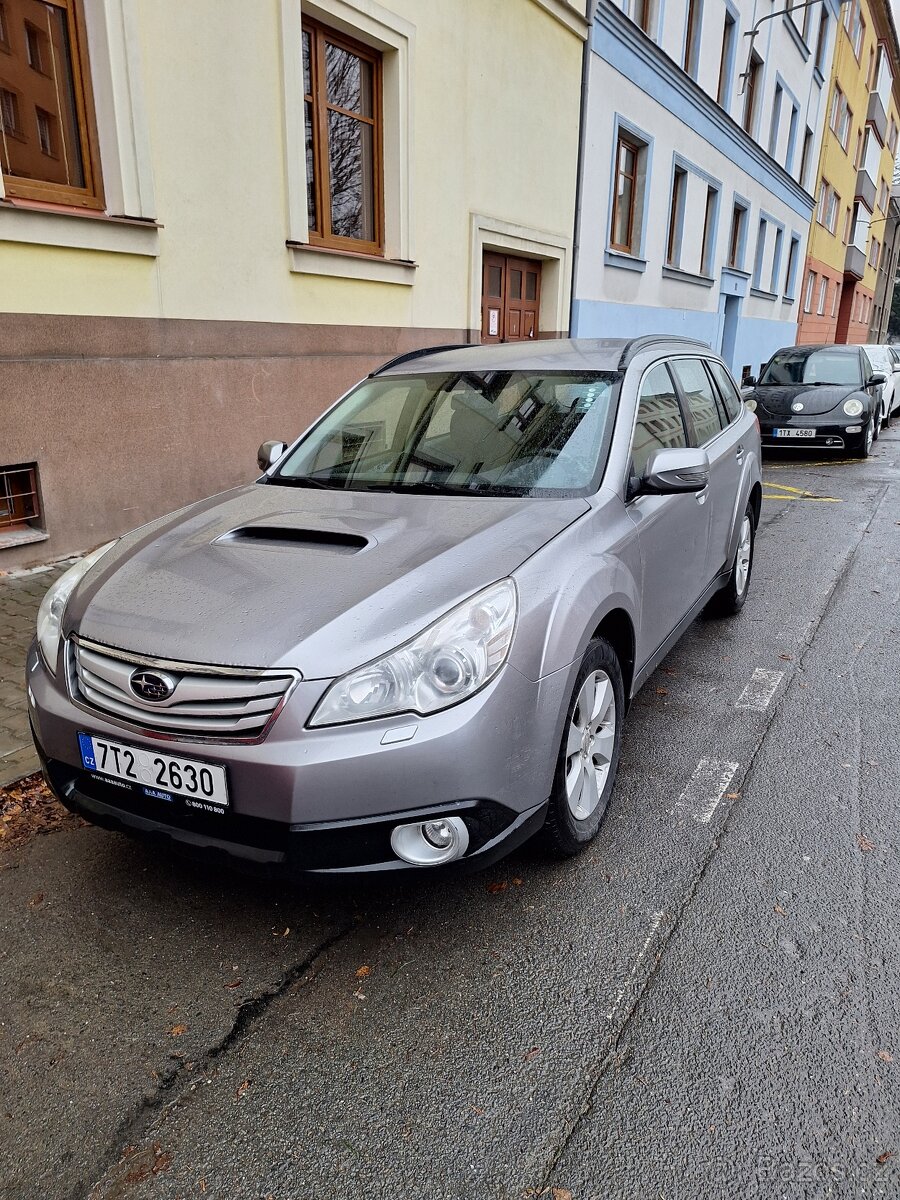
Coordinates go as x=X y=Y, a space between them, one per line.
x=700 y=147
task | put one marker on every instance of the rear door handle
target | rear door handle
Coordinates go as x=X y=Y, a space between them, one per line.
x=739 y=453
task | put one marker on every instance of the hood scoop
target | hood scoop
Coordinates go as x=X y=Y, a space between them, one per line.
x=286 y=537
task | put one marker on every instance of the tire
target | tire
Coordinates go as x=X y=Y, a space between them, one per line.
x=575 y=812
x=864 y=449
x=730 y=599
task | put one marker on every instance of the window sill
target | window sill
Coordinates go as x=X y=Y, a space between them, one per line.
x=344 y=264
x=687 y=277
x=788 y=299
x=42 y=225
x=763 y=295
x=11 y=538
x=628 y=262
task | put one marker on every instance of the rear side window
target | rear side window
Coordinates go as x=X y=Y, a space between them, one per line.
x=729 y=393
x=707 y=417
x=659 y=423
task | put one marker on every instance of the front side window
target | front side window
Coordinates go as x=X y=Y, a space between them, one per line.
x=496 y=433
x=342 y=117
x=659 y=424
x=706 y=416
x=795 y=365
x=730 y=396
x=48 y=145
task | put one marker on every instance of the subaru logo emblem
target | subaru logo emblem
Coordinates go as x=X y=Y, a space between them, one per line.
x=797 y=406
x=152 y=685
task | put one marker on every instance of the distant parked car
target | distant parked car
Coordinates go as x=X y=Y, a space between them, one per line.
x=412 y=642
x=886 y=360
x=828 y=397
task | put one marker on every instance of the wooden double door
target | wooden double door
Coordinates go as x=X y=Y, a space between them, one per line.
x=510 y=298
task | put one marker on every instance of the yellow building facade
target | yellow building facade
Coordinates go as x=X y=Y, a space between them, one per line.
x=853 y=186
x=236 y=211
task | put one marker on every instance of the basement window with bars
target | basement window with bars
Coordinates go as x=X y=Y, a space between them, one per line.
x=20 y=506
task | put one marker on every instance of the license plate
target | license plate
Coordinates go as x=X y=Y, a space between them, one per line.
x=801 y=433
x=160 y=776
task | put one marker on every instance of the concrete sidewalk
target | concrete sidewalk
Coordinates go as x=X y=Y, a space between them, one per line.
x=20 y=598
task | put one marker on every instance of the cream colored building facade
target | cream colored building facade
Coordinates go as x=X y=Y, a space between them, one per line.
x=152 y=335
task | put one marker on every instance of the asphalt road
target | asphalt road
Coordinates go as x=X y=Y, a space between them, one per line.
x=706 y=1004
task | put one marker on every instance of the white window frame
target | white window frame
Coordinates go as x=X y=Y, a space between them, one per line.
x=129 y=226
x=823 y=296
x=394 y=38
x=807 y=295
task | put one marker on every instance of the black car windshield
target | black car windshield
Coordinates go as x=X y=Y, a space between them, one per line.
x=816 y=366
x=502 y=433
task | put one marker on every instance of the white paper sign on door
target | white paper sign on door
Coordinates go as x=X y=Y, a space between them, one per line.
x=493 y=322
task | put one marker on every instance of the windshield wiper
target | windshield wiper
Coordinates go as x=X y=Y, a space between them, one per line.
x=309 y=481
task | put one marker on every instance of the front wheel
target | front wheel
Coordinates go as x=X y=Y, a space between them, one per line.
x=589 y=754
x=730 y=598
x=864 y=449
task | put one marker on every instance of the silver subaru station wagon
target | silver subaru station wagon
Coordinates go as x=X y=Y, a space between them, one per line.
x=412 y=642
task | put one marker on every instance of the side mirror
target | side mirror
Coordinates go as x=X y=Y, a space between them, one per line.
x=676 y=470
x=269 y=453
x=876 y=378
x=896 y=368
x=750 y=381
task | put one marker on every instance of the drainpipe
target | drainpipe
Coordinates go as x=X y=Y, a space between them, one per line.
x=582 y=121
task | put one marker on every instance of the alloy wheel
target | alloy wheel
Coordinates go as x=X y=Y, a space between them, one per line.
x=744 y=554
x=590 y=741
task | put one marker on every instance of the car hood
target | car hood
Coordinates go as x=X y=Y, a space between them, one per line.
x=778 y=401
x=322 y=581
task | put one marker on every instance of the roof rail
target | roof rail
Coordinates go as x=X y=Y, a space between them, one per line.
x=420 y=353
x=650 y=339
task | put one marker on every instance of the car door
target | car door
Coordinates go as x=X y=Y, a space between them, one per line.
x=672 y=530
x=711 y=428
x=873 y=389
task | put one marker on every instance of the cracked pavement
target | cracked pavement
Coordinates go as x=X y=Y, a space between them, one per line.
x=694 y=1008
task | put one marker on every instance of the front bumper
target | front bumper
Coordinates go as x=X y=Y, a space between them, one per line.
x=829 y=433
x=326 y=800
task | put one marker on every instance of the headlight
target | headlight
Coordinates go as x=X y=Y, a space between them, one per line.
x=447 y=662
x=853 y=408
x=50 y=614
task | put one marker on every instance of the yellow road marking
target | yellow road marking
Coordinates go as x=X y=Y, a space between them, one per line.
x=793 y=493
x=821 y=499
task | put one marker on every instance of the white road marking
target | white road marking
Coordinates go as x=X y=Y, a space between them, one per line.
x=629 y=981
x=759 y=691
x=706 y=787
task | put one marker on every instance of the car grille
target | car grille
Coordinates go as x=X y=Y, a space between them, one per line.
x=218 y=703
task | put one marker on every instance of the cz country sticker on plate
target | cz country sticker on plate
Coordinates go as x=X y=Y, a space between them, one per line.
x=161 y=776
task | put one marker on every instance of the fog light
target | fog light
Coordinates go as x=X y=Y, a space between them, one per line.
x=854 y=429
x=429 y=843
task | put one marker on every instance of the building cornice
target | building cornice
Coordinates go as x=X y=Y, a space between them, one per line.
x=613 y=29
x=568 y=13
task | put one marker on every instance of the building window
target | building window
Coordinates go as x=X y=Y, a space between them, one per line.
x=829 y=206
x=822 y=42
x=823 y=295
x=751 y=88
x=848 y=218
x=726 y=60
x=342 y=116
x=855 y=24
x=835 y=299
x=642 y=12
x=19 y=498
x=676 y=217
x=883 y=195
x=841 y=117
x=4 y=36
x=790 y=275
x=776 y=119
x=692 y=37
x=708 y=242
x=874 y=252
x=625 y=232
x=776 y=260
x=760 y=252
x=892 y=137
x=736 y=239
x=808 y=293
x=48 y=142
x=805 y=156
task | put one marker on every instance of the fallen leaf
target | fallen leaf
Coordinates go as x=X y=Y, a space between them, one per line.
x=530 y=1054
x=234 y=983
x=362 y=972
x=178 y=1030
x=885 y=1056
x=662 y=691
x=287 y=931
x=500 y=886
x=36 y=899
x=201 y=1184
x=786 y=657
x=732 y=795
x=863 y=842
x=517 y=882
x=240 y=1091
x=883 y=1158
x=479 y=1112
x=780 y=910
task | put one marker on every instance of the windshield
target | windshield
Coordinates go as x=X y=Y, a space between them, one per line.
x=495 y=433
x=819 y=366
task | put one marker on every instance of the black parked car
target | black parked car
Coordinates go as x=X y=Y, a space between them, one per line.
x=827 y=397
